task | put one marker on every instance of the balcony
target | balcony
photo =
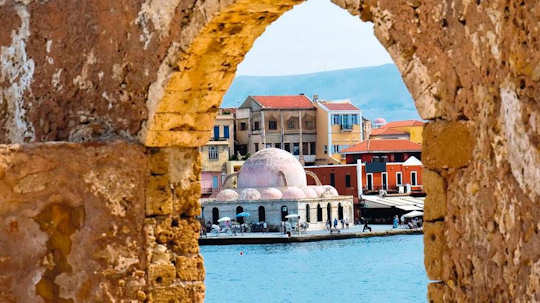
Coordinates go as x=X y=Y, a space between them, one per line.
x=218 y=139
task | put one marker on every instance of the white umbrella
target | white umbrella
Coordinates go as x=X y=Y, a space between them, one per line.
x=291 y=216
x=224 y=219
x=413 y=214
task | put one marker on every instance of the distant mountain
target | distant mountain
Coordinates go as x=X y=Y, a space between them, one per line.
x=378 y=91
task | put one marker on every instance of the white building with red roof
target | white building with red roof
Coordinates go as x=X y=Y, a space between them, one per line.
x=339 y=125
x=285 y=122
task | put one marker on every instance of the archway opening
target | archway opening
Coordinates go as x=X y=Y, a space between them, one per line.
x=215 y=215
x=262 y=214
x=222 y=51
x=239 y=209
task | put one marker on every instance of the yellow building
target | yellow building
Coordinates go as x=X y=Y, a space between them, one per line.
x=216 y=153
x=339 y=125
x=408 y=129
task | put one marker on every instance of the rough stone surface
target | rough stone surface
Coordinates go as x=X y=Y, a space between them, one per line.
x=72 y=222
x=157 y=70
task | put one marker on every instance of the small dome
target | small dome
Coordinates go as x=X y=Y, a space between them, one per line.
x=271 y=193
x=227 y=195
x=329 y=191
x=268 y=167
x=319 y=190
x=250 y=194
x=293 y=193
x=380 y=121
x=310 y=192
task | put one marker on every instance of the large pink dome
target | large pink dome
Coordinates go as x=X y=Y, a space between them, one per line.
x=267 y=167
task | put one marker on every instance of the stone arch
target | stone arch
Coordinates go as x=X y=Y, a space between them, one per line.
x=183 y=102
x=471 y=66
x=438 y=70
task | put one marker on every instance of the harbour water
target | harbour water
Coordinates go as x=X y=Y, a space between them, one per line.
x=379 y=269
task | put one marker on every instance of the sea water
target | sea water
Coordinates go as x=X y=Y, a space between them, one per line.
x=378 y=269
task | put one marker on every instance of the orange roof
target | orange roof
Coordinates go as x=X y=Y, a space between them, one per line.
x=387 y=131
x=284 y=102
x=340 y=106
x=403 y=123
x=391 y=145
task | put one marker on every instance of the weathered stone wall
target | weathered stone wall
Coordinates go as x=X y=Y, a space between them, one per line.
x=74 y=224
x=156 y=70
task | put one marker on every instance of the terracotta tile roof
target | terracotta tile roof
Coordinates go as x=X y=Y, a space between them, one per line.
x=387 y=131
x=403 y=123
x=340 y=106
x=391 y=145
x=284 y=102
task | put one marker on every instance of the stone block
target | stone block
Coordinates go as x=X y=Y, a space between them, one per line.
x=203 y=121
x=74 y=227
x=447 y=145
x=158 y=196
x=184 y=138
x=435 y=203
x=158 y=161
x=436 y=292
x=190 y=268
x=188 y=293
x=161 y=274
x=434 y=245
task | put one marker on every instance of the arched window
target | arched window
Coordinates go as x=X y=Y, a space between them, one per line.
x=215 y=215
x=262 y=214
x=239 y=209
x=284 y=213
x=319 y=213
x=340 y=212
x=329 y=212
x=308 y=219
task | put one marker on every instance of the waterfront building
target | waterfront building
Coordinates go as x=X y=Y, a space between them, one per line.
x=217 y=152
x=408 y=130
x=285 y=122
x=382 y=151
x=392 y=166
x=339 y=125
x=397 y=179
x=273 y=184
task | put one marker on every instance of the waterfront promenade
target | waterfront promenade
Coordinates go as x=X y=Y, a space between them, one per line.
x=275 y=237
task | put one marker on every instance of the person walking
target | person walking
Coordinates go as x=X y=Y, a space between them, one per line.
x=396 y=222
x=335 y=223
x=342 y=224
x=366 y=227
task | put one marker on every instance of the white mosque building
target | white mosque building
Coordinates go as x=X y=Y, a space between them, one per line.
x=272 y=184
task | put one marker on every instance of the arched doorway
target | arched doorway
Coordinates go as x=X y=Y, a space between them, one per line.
x=329 y=212
x=239 y=209
x=319 y=213
x=340 y=211
x=308 y=219
x=284 y=212
x=215 y=215
x=262 y=214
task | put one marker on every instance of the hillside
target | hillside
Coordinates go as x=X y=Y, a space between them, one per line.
x=378 y=90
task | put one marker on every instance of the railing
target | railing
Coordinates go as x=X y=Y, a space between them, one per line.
x=209 y=190
x=219 y=139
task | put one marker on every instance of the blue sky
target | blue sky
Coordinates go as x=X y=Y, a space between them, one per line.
x=314 y=36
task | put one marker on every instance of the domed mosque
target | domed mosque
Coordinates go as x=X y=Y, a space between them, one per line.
x=272 y=184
